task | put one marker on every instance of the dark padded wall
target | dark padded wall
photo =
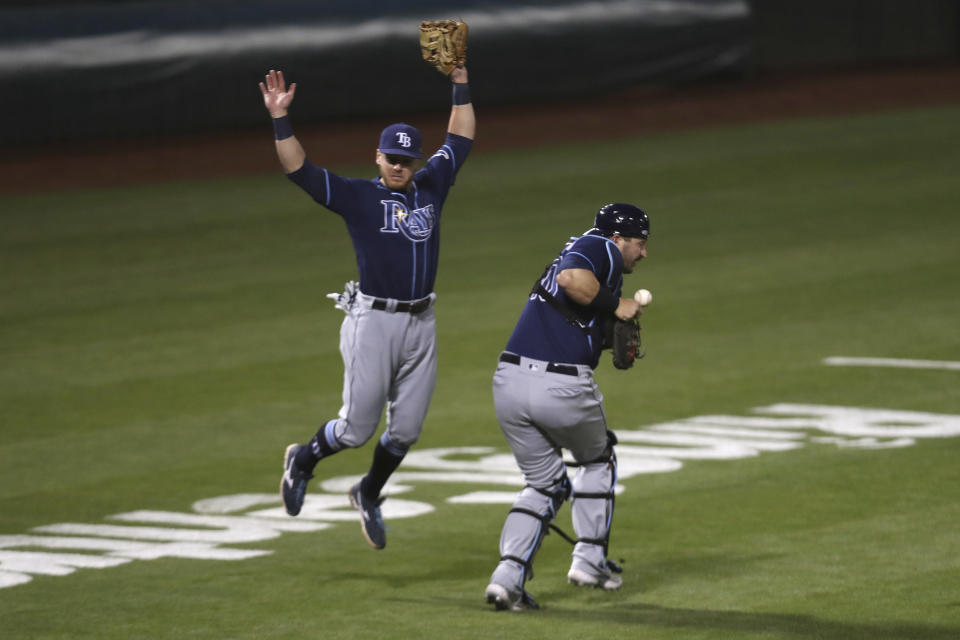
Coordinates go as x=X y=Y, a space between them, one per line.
x=846 y=33
x=89 y=70
x=120 y=69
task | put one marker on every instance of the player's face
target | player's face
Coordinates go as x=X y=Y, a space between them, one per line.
x=633 y=249
x=396 y=171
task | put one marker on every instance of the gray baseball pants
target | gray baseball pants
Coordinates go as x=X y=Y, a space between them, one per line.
x=389 y=359
x=541 y=413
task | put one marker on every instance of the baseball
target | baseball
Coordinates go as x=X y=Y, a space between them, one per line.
x=643 y=296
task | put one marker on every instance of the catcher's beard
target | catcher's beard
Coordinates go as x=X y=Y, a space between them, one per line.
x=628 y=268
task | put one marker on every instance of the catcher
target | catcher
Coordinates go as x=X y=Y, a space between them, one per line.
x=546 y=399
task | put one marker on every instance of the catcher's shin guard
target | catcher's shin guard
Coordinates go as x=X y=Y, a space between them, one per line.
x=523 y=530
x=592 y=507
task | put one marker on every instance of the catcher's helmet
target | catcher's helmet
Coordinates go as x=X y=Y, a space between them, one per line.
x=623 y=219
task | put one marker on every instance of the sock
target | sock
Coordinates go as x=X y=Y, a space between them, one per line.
x=384 y=464
x=318 y=447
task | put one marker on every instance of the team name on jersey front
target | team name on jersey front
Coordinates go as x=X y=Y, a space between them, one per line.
x=415 y=224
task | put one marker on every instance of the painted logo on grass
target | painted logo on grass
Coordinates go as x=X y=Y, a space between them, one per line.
x=205 y=533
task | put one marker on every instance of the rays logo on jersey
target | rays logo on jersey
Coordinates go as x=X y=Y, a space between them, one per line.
x=416 y=224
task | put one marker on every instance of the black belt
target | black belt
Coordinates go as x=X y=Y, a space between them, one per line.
x=552 y=367
x=415 y=307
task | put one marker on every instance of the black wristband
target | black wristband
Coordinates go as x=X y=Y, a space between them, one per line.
x=605 y=301
x=282 y=129
x=461 y=93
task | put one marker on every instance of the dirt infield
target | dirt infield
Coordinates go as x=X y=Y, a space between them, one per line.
x=628 y=113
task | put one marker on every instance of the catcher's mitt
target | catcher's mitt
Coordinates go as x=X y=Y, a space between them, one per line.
x=443 y=44
x=625 y=343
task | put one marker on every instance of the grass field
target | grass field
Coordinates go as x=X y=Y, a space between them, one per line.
x=161 y=346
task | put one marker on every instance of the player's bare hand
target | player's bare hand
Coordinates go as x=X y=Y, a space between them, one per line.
x=628 y=309
x=276 y=96
x=459 y=74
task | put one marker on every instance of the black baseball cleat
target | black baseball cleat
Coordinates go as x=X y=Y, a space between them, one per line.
x=293 y=486
x=371 y=520
x=504 y=599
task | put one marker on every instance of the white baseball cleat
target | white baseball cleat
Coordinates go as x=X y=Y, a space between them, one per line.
x=606 y=579
x=502 y=599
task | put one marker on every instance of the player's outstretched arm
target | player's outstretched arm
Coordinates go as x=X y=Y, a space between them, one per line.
x=277 y=98
x=463 y=121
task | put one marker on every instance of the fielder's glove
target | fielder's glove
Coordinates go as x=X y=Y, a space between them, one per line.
x=443 y=44
x=625 y=343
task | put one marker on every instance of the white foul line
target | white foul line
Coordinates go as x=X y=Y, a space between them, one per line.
x=842 y=361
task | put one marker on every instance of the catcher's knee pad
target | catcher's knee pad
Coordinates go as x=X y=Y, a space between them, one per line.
x=528 y=522
x=592 y=507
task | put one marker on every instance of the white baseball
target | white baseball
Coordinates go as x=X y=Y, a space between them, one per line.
x=643 y=296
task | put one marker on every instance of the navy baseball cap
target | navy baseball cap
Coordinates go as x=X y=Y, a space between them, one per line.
x=400 y=139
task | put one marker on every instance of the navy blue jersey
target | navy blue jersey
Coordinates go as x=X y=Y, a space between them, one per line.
x=543 y=332
x=396 y=236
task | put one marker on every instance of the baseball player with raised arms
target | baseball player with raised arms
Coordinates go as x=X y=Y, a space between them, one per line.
x=546 y=400
x=388 y=338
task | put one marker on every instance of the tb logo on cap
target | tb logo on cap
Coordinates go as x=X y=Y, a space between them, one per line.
x=400 y=139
